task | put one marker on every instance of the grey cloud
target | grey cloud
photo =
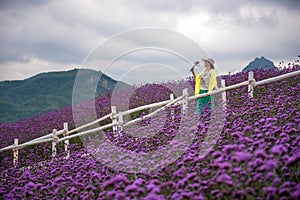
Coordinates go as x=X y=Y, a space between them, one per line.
x=166 y=5
x=21 y=4
x=289 y=4
x=64 y=31
x=232 y=9
x=35 y=33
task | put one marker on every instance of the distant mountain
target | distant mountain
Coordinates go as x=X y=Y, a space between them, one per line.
x=49 y=91
x=260 y=63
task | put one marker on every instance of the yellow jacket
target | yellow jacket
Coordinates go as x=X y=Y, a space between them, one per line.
x=212 y=81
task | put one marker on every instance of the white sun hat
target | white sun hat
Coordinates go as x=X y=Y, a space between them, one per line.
x=210 y=60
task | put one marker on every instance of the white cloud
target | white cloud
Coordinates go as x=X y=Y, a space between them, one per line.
x=150 y=73
x=235 y=39
x=15 y=70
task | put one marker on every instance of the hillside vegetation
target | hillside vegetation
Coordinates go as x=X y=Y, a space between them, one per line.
x=46 y=92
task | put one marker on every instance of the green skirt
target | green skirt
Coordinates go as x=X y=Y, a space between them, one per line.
x=203 y=102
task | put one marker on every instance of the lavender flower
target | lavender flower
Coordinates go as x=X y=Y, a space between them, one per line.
x=257 y=153
x=294 y=159
x=271 y=164
x=242 y=156
x=225 y=178
x=270 y=192
x=296 y=192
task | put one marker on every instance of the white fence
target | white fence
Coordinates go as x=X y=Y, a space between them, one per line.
x=117 y=118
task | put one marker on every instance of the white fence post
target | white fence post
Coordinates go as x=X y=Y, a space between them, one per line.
x=224 y=98
x=250 y=85
x=54 y=141
x=171 y=96
x=66 y=142
x=114 y=119
x=15 y=153
x=172 y=109
x=120 y=124
x=184 y=100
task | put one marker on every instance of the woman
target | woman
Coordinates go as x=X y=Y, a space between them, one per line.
x=206 y=81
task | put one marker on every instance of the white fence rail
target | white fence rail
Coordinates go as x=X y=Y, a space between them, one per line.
x=117 y=118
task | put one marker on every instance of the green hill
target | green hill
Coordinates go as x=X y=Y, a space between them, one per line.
x=47 y=91
x=262 y=63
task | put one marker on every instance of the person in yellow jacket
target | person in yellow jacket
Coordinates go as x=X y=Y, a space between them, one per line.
x=205 y=82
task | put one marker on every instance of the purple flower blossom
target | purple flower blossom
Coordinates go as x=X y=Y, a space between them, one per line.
x=176 y=196
x=269 y=175
x=187 y=195
x=152 y=187
x=225 y=178
x=250 y=190
x=270 y=191
x=257 y=176
x=284 y=191
x=224 y=165
x=115 y=180
x=240 y=194
x=120 y=196
x=216 y=154
x=205 y=171
x=271 y=164
x=130 y=188
x=278 y=149
x=296 y=192
x=228 y=148
x=242 y=156
x=294 y=159
x=59 y=179
x=153 y=196
x=180 y=172
x=247 y=128
x=72 y=190
x=30 y=186
x=260 y=153
x=237 y=170
x=276 y=181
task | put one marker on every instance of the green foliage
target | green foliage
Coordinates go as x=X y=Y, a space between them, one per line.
x=45 y=92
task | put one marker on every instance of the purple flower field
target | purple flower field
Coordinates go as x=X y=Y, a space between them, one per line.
x=256 y=156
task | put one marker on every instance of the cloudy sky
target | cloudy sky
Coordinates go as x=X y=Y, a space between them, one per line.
x=47 y=35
